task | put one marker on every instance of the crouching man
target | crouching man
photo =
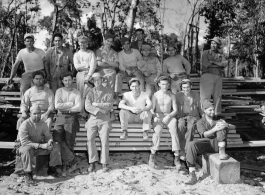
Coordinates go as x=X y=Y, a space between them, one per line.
x=214 y=135
x=36 y=139
x=99 y=102
x=164 y=110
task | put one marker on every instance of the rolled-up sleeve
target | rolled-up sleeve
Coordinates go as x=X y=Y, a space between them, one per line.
x=25 y=101
x=201 y=128
x=77 y=103
x=92 y=63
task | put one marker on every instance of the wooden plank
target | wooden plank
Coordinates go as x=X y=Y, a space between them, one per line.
x=5 y=106
x=3 y=93
x=250 y=144
x=7 y=145
x=251 y=167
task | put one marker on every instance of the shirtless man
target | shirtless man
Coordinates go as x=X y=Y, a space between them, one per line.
x=164 y=110
x=135 y=107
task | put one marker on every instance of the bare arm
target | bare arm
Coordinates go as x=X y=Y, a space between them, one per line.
x=148 y=104
x=153 y=104
x=174 y=106
x=122 y=105
x=14 y=69
x=186 y=65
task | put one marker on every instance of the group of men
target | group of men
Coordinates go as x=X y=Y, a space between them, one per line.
x=161 y=97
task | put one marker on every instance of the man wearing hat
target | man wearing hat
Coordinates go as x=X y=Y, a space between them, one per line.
x=85 y=63
x=213 y=139
x=99 y=102
x=107 y=60
x=128 y=59
x=33 y=60
x=189 y=111
x=139 y=39
x=35 y=139
x=151 y=68
x=58 y=59
x=135 y=108
x=164 y=109
x=211 y=79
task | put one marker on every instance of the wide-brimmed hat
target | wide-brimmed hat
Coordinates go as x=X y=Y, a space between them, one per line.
x=217 y=40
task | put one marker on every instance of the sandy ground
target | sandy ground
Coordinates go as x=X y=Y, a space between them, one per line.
x=129 y=174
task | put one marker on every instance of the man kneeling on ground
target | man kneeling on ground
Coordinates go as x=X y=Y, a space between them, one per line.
x=214 y=135
x=36 y=139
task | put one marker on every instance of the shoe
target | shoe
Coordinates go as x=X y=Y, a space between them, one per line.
x=52 y=171
x=145 y=136
x=72 y=166
x=192 y=179
x=222 y=154
x=92 y=167
x=124 y=135
x=105 y=168
x=152 y=161
x=29 y=178
x=177 y=163
x=64 y=171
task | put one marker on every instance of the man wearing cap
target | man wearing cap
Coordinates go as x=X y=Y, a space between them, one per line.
x=177 y=67
x=189 y=111
x=128 y=59
x=33 y=60
x=99 y=102
x=164 y=110
x=151 y=68
x=58 y=59
x=108 y=60
x=85 y=63
x=213 y=135
x=140 y=39
x=36 y=139
x=213 y=64
x=37 y=95
x=135 y=107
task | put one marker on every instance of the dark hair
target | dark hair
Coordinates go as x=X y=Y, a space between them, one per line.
x=57 y=35
x=139 y=30
x=66 y=74
x=38 y=72
x=185 y=82
x=134 y=81
x=164 y=78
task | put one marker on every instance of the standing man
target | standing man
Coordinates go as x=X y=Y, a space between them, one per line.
x=32 y=59
x=189 y=111
x=35 y=139
x=108 y=61
x=58 y=59
x=135 y=107
x=140 y=39
x=85 y=63
x=99 y=102
x=128 y=59
x=37 y=95
x=164 y=110
x=213 y=134
x=177 y=67
x=211 y=78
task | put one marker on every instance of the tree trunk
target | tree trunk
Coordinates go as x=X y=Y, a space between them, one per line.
x=132 y=15
x=55 y=18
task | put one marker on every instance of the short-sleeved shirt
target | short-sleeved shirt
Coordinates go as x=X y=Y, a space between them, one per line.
x=203 y=125
x=109 y=55
x=129 y=60
x=140 y=102
x=32 y=60
x=151 y=65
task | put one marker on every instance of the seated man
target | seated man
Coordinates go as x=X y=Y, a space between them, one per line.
x=135 y=107
x=39 y=95
x=151 y=68
x=99 y=102
x=164 y=110
x=189 y=111
x=35 y=139
x=213 y=133
x=128 y=59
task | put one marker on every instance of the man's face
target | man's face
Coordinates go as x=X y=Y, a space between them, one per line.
x=67 y=81
x=58 y=42
x=135 y=87
x=164 y=85
x=186 y=88
x=83 y=44
x=97 y=81
x=139 y=35
x=126 y=46
x=146 y=52
x=209 y=112
x=171 y=51
x=214 y=45
x=35 y=115
x=108 y=42
x=29 y=42
x=38 y=81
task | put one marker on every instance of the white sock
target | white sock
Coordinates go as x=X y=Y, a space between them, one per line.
x=191 y=169
x=176 y=153
x=153 y=151
x=221 y=144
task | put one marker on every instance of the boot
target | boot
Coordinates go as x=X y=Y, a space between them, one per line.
x=105 y=168
x=92 y=167
x=177 y=163
x=52 y=171
x=192 y=179
x=29 y=178
x=145 y=136
x=72 y=166
x=152 y=161
x=222 y=154
x=64 y=171
x=124 y=135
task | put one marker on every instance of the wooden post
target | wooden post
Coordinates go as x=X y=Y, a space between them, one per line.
x=236 y=71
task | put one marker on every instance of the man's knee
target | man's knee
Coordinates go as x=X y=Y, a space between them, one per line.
x=26 y=150
x=123 y=113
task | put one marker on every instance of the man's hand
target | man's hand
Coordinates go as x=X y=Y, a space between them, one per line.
x=95 y=104
x=49 y=77
x=157 y=120
x=166 y=120
x=24 y=115
x=103 y=111
x=220 y=126
x=136 y=110
x=50 y=142
x=43 y=146
x=44 y=116
x=156 y=79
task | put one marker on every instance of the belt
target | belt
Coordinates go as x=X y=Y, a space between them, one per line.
x=68 y=112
